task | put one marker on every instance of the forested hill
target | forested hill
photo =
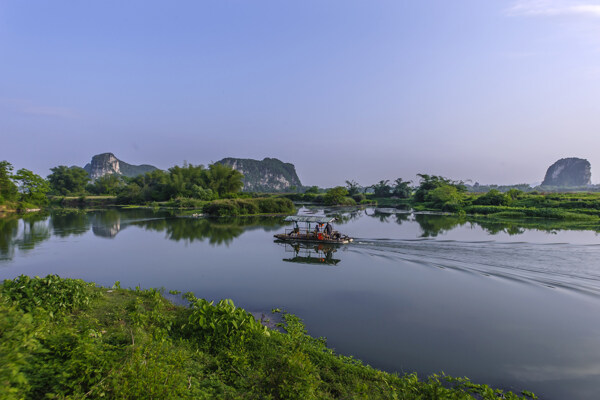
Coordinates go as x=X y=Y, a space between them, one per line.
x=268 y=175
x=107 y=163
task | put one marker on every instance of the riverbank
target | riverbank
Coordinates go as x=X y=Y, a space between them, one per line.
x=69 y=338
x=216 y=208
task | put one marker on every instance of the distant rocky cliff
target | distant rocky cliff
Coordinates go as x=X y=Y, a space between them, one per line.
x=268 y=175
x=569 y=172
x=107 y=163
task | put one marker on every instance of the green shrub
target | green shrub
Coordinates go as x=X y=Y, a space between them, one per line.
x=493 y=198
x=452 y=206
x=275 y=205
x=221 y=324
x=443 y=194
x=359 y=197
x=335 y=196
x=247 y=206
x=222 y=208
x=52 y=293
x=233 y=207
x=186 y=202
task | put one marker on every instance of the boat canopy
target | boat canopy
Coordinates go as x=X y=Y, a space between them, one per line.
x=309 y=218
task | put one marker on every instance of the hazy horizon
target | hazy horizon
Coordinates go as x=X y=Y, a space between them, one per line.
x=493 y=92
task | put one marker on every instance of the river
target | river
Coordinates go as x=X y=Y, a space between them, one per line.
x=510 y=306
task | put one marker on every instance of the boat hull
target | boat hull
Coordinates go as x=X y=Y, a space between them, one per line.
x=305 y=239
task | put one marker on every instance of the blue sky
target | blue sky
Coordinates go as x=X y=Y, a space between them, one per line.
x=491 y=91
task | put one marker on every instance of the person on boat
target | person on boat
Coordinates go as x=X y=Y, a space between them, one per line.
x=317 y=230
x=328 y=229
x=296 y=230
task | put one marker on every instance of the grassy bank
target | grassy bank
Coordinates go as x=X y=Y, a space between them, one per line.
x=63 y=338
x=256 y=206
x=82 y=201
x=235 y=207
x=218 y=208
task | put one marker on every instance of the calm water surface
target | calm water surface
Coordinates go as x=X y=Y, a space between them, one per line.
x=512 y=307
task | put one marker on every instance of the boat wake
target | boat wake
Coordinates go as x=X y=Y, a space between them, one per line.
x=556 y=265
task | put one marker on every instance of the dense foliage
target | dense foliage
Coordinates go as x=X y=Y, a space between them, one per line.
x=64 y=338
x=32 y=187
x=24 y=188
x=8 y=188
x=110 y=184
x=188 y=181
x=430 y=183
x=338 y=196
x=446 y=195
x=234 y=207
x=68 y=180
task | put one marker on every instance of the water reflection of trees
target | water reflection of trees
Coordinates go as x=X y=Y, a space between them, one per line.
x=433 y=225
x=9 y=228
x=217 y=231
x=383 y=216
x=23 y=233
x=343 y=217
x=65 y=223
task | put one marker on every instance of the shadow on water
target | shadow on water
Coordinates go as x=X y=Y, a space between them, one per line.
x=310 y=253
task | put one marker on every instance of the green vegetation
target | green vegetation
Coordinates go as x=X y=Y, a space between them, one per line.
x=68 y=180
x=109 y=184
x=32 y=187
x=188 y=181
x=68 y=339
x=382 y=189
x=23 y=190
x=234 y=207
x=438 y=193
x=8 y=188
x=338 y=196
x=577 y=210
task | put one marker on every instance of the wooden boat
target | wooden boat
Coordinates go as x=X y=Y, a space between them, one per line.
x=313 y=230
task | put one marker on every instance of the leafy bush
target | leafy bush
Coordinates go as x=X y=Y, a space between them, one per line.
x=275 y=205
x=52 y=293
x=247 y=206
x=201 y=193
x=493 y=198
x=452 y=206
x=335 y=196
x=233 y=207
x=186 y=202
x=442 y=195
x=221 y=324
x=359 y=197
x=222 y=208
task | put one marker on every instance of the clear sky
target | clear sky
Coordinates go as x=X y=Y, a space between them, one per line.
x=492 y=91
